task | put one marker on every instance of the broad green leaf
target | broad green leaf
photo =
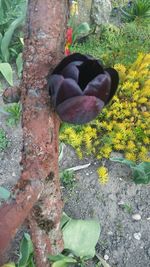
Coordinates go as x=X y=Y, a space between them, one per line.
x=8 y=36
x=4 y=193
x=81 y=30
x=10 y=31
x=141 y=173
x=11 y=264
x=19 y=63
x=26 y=249
x=81 y=236
x=130 y=163
x=64 y=263
x=6 y=71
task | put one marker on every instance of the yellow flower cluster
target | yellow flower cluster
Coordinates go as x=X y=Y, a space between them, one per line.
x=102 y=174
x=125 y=124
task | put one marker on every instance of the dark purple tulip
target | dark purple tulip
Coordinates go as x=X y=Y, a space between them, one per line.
x=80 y=87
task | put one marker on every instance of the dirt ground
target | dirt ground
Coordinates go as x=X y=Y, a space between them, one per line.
x=122 y=208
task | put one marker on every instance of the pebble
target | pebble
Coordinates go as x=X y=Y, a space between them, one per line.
x=13 y=174
x=148 y=219
x=121 y=203
x=137 y=236
x=106 y=257
x=136 y=217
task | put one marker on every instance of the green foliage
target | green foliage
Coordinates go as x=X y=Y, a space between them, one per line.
x=67 y=178
x=26 y=252
x=80 y=238
x=3 y=140
x=140 y=172
x=14 y=113
x=117 y=44
x=6 y=71
x=12 y=16
x=139 y=9
x=4 y=194
x=128 y=208
x=19 y=63
x=79 y=29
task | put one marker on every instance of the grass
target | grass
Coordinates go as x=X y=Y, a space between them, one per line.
x=14 y=114
x=117 y=44
x=67 y=178
x=3 y=140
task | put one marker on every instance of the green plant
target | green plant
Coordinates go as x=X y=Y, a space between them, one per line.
x=3 y=140
x=67 y=178
x=14 y=113
x=128 y=208
x=140 y=172
x=6 y=71
x=80 y=238
x=117 y=44
x=26 y=252
x=12 y=16
x=138 y=9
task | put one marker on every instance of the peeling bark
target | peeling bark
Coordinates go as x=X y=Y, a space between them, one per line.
x=39 y=183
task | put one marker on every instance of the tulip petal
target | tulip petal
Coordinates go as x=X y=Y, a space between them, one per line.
x=79 y=109
x=71 y=71
x=69 y=88
x=99 y=87
x=88 y=71
x=71 y=58
x=54 y=83
x=114 y=82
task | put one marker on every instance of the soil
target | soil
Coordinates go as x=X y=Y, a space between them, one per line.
x=123 y=242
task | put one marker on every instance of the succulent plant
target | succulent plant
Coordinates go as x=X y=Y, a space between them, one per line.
x=80 y=87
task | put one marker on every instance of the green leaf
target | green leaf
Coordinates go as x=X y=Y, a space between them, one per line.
x=61 y=260
x=10 y=264
x=10 y=31
x=80 y=31
x=6 y=71
x=141 y=173
x=4 y=193
x=19 y=63
x=65 y=218
x=130 y=163
x=26 y=249
x=61 y=263
x=81 y=236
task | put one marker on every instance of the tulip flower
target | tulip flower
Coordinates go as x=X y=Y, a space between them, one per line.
x=80 y=87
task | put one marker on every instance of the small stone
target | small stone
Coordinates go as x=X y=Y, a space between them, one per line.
x=13 y=174
x=121 y=203
x=137 y=236
x=106 y=257
x=136 y=217
x=110 y=233
x=87 y=173
x=148 y=219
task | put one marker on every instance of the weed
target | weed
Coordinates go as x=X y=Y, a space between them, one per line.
x=67 y=178
x=14 y=113
x=128 y=208
x=3 y=140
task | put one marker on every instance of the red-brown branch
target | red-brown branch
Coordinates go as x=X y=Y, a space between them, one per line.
x=44 y=46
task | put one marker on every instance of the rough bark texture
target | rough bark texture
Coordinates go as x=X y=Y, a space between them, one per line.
x=39 y=183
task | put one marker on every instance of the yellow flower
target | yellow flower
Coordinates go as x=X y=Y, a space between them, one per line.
x=121 y=69
x=130 y=156
x=142 y=100
x=103 y=174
